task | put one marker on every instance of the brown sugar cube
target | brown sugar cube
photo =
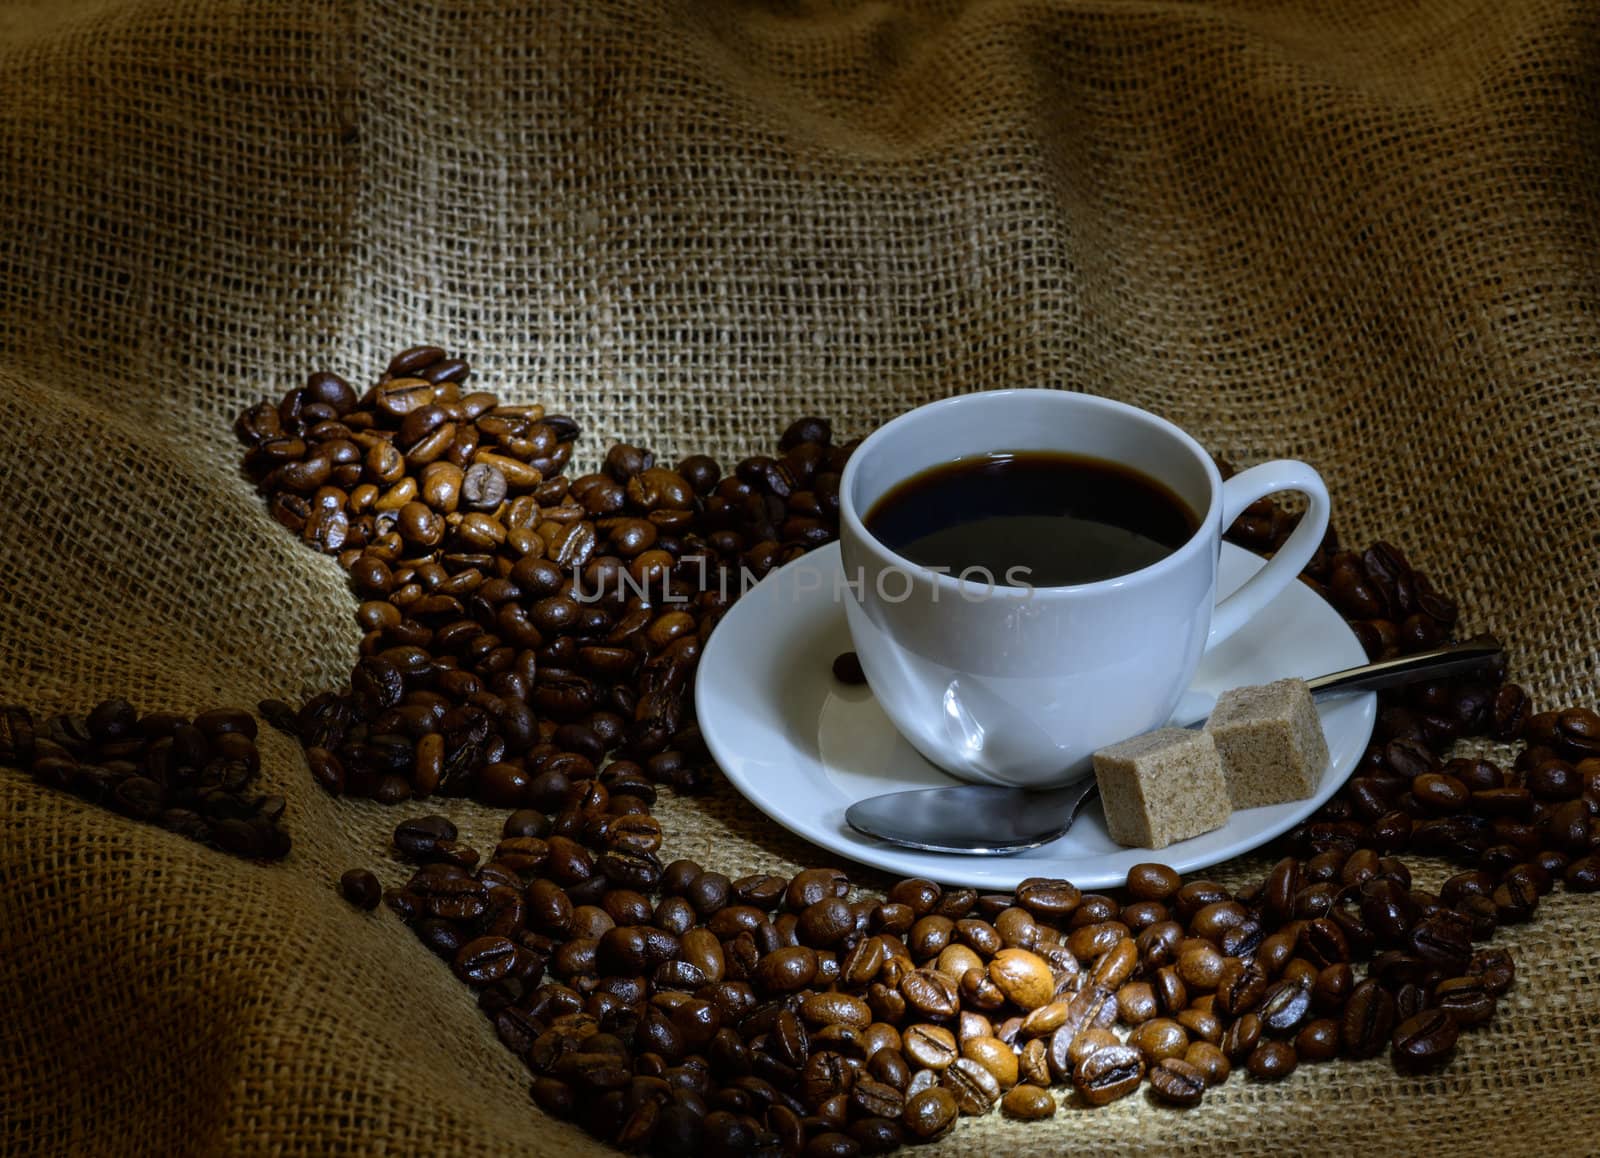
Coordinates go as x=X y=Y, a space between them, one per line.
x=1162 y=786
x=1271 y=743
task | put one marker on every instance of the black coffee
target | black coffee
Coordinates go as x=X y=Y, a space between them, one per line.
x=1032 y=518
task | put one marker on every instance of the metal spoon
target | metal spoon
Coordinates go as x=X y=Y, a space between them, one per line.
x=987 y=820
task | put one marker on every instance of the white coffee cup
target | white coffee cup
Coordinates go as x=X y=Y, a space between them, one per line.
x=1012 y=684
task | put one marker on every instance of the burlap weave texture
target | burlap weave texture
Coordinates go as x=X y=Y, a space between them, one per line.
x=1363 y=234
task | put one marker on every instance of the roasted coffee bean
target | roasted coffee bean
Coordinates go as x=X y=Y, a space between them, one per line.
x=361 y=888
x=485 y=960
x=930 y=993
x=1177 y=1082
x=1272 y=1061
x=930 y=1046
x=995 y=1056
x=1109 y=1073
x=976 y=1090
x=1024 y=978
x=1241 y=1038
x=1159 y=1038
x=418 y=838
x=930 y=1113
x=1028 y=1103
x=847 y=669
x=1369 y=1018
x=1209 y=1060
x=1424 y=1041
x=1241 y=986
x=787 y=969
x=1047 y=898
x=1442 y=943
x=877 y=1135
x=1152 y=882
x=1466 y=999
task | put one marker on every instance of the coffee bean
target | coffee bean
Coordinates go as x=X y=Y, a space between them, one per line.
x=1152 y=882
x=1177 y=1082
x=847 y=669
x=1369 y=1018
x=930 y=993
x=485 y=960
x=1023 y=977
x=418 y=838
x=930 y=1113
x=1028 y=1103
x=361 y=888
x=995 y=1056
x=1285 y=1007
x=1424 y=1041
x=1240 y=986
x=787 y=969
x=1466 y=999
x=930 y=1046
x=975 y=1088
x=1109 y=1073
x=1159 y=1038
x=1272 y=1061
x=1209 y=1060
x=1241 y=1037
x=1047 y=898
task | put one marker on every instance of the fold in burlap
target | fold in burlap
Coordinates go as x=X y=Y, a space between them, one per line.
x=1359 y=233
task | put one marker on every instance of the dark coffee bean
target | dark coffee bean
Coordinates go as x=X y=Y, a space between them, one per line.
x=1177 y=1082
x=138 y=797
x=786 y=969
x=418 y=837
x=930 y=993
x=1109 y=1073
x=931 y=1046
x=1240 y=986
x=1583 y=874
x=847 y=669
x=1424 y=1041
x=876 y=1135
x=526 y=822
x=1466 y=999
x=930 y=1113
x=1241 y=1037
x=361 y=888
x=1272 y=1061
x=975 y=1088
x=1152 y=882
x=1048 y=898
x=1285 y=1007
x=1509 y=713
x=1028 y=1103
x=485 y=960
x=874 y=1099
x=1369 y=1018
x=1442 y=943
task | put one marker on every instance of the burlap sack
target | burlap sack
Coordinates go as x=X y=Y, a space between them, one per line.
x=1360 y=233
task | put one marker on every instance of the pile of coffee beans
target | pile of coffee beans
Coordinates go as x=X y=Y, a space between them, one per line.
x=189 y=776
x=683 y=1012
x=518 y=623
x=667 y=1008
x=1519 y=828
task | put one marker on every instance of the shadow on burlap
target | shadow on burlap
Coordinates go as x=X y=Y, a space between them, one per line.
x=1362 y=234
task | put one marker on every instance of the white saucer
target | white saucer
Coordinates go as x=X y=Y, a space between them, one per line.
x=802 y=747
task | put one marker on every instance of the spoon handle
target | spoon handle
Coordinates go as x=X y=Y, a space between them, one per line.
x=1452 y=659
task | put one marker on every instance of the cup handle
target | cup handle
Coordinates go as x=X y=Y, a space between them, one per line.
x=1264 y=586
